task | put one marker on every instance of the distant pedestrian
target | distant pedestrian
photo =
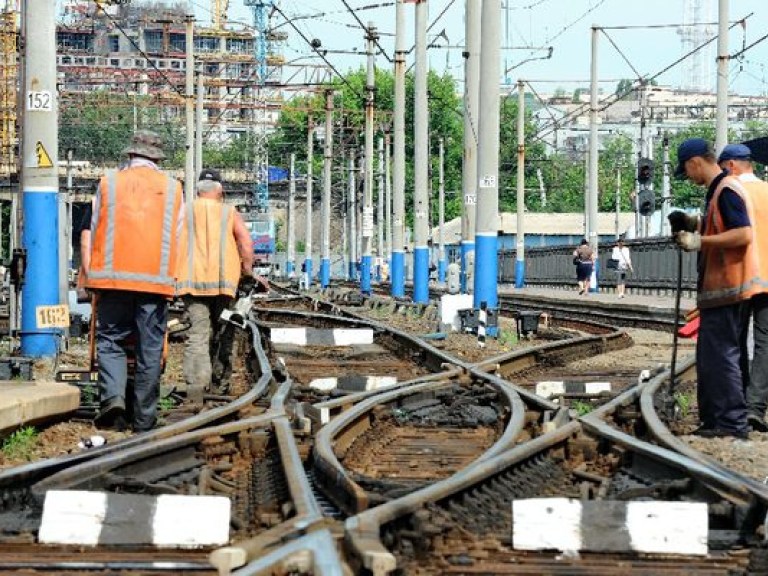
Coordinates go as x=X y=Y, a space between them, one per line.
x=583 y=257
x=137 y=220
x=737 y=159
x=216 y=250
x=728 y=276
x=620 y=253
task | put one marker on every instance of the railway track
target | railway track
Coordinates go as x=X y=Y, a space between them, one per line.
x=417 y=476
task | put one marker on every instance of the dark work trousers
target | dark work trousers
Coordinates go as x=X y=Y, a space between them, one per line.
x=756 y=375
x=718 y=367
x=120 y=314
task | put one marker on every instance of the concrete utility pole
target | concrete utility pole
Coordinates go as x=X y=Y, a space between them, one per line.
x=351 y=213
x=388 y=200
x=520 y=236
x=593 y=159
x=441 y=264
x=397 y=266
x=310 y=186
x=40 y=180
x=367 y=220
x=380 y=252
x=290 y=259
x=199 y=97
x=721 y=125
x=189 y=100
x=325 y=211
x=421 y=160
x=618 y=201
x=471 y=117
x=487 y=225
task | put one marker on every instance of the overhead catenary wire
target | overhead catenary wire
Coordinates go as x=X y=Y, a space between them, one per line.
x=365 y=29
x=609 y=101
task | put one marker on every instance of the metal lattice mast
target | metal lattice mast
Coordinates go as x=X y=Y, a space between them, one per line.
x=8 y=80
x=261 y=158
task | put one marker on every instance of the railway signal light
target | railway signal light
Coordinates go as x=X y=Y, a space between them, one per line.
x=645 y=171
x=646 y=202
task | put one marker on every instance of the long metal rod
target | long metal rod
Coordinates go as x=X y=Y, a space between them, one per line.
x=593 y=160
x=721 y=123
x=308 y=209
x=520 y=235
x=487 y=225
x=441 y=263
x=325 y=216
x=380 y=200
x=398 y=163
x=189 y=101
x=367 y=218
x=290 y=261
x=199 y=98
x=469 y=158
x=421 y=160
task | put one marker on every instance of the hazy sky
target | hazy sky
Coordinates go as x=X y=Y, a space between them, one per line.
x=563 y=24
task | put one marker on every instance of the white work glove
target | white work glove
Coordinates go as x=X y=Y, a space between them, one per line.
x=688 y=241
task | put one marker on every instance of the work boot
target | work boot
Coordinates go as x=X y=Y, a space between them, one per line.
x=756 y=423
x=112 y=416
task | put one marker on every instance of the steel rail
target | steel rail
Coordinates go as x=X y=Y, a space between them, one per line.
x=35 y=471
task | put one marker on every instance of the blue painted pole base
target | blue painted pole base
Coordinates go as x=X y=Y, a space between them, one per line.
x=421 y=275
x=40 y=239
x=442 y=265
x=486 y=271
x=365 y=274
x=308 y=271
x=325 y=272
x=519 y=273
x=397 y=272
x=289 y=268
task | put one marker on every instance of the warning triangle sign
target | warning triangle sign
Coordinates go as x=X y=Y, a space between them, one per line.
x=43 y=158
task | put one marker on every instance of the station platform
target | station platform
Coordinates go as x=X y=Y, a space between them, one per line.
x=648 y=301
x=27 y=402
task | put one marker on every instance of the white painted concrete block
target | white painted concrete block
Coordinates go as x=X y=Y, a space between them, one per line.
x=450 y=304
x=610 y=526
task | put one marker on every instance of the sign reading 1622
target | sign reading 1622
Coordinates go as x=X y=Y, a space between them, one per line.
x=39 y=101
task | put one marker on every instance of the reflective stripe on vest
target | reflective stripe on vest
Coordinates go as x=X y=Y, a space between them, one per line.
x=164 y=279
x=728 y=275
x=201 y=277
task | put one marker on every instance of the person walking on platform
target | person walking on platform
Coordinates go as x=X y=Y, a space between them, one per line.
x=584 y=258
x=727 y=277
x=216 y=249
x=137 y=219
x=737 y=160
x=620 y=254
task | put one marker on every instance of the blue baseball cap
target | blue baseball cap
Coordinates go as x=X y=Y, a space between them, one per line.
x=735 y=152
x=690 y=149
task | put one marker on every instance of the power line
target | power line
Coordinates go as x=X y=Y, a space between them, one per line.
x=365 y=29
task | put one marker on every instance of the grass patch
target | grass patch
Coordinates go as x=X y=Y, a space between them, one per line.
x=582 y=408
x=683 y=402
x=20 y=444
x=166 y=403
x=507 y=337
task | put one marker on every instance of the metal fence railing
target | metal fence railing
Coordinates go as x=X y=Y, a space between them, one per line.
x=654 y=261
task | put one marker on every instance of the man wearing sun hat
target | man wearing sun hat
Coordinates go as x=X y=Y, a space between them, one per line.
x=737 y=160
x=136 y=222
x=216 y=248
x=728 y=277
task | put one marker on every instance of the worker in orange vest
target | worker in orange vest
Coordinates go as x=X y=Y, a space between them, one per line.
x=737 y=160
x=216 y=249
x=137 y=220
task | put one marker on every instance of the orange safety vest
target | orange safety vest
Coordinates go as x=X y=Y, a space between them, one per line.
x=728 y=275
x=134 y=236
x=757 y=190
x=210 y=261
